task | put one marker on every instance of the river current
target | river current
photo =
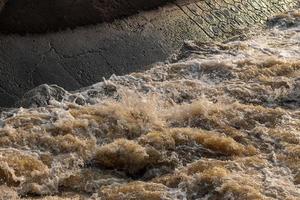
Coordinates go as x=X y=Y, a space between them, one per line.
x=215 y=121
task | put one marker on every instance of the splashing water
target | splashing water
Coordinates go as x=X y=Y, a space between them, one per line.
x=217 y=121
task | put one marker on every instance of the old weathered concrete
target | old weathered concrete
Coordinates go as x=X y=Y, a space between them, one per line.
x=80 y=57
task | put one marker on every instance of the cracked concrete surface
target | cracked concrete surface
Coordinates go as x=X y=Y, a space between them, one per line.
x=83 y=56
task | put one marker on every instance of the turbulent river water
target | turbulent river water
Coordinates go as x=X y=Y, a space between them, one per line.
x=216 y=121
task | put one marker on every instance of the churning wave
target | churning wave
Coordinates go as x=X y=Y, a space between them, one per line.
x=216 y=121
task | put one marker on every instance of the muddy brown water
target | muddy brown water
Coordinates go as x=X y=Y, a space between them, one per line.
x=218 y=121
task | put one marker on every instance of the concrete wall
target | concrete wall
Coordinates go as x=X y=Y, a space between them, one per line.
x=40 y=16
x=81 y=57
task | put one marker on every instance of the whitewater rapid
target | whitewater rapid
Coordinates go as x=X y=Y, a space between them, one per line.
x=215 y=121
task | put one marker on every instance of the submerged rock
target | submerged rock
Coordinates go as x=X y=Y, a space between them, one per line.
x=42 y=96
x=287 y=20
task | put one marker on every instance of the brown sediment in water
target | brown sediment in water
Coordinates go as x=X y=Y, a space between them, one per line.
x=219 y=121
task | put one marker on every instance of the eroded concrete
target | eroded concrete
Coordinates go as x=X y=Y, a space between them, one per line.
x=81 y=57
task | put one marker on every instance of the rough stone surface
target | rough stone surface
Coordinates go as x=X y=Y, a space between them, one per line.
x=42 y=95
x=83 y=56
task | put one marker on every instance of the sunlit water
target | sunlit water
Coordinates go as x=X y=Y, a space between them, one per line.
x=217 y=121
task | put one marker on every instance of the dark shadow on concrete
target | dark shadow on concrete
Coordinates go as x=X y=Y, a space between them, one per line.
x=40 y=16
x=81 y=57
